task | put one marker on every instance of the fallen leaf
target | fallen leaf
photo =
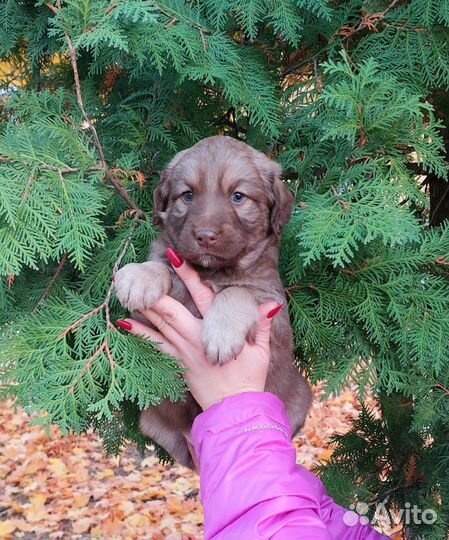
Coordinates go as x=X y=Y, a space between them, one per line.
x=81 y=500
x=326 y=455
x=58 y=467
x=82 y=525
x=105 y=473
x=139 y=521
x=35 y=514
x=38 y=499
x=7 y=527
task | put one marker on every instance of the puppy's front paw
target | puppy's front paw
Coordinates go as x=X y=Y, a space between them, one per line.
x=222 y=341
x=139 y=286
x=231 y=319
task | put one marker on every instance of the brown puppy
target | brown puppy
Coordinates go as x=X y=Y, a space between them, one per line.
x=221 y=205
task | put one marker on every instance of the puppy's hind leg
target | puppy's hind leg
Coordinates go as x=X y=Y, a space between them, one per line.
x=173 y=441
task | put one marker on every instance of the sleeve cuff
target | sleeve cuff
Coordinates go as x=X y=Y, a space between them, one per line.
x=242 y=410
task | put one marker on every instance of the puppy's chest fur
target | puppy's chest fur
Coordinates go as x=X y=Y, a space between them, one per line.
x=262 y=278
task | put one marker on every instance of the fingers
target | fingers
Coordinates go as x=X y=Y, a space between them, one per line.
x=138 y=328
x=172 y=319
x=201 y=294
x=267 y=312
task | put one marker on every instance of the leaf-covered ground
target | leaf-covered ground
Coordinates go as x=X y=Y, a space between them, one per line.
x=65 y=487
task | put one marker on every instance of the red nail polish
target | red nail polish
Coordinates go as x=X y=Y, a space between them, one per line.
x=174 y=257
x=124 y=324
x=275 y=311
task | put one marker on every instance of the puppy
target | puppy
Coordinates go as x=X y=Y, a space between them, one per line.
x=221 y=205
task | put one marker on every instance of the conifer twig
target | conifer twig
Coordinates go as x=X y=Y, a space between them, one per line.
x=82 y=319
x=289 y=290
x=88 y=365
x=442 y=388
x=442 y=261
x=47 y=167
x=369 y=22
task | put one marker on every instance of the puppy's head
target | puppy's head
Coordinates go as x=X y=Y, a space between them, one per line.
x=219 y=199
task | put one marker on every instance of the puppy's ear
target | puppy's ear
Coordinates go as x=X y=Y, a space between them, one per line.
x=160 y=199
x=162 y=192
x=281 y=199
x=284 y=201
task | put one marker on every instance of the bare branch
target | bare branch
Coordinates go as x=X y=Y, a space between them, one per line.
x=54 y=279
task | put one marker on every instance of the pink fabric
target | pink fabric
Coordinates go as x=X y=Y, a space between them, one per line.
x=251 y=486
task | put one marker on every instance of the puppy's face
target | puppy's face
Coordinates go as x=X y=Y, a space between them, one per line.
x=219 y=199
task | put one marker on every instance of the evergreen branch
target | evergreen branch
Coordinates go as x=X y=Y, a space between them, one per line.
x=79 y=96
x=82 y=319
x=291 y=69
x=174 y=19
x=88 y=365
x=47 y=167
x=292 y=289
x=105 y=304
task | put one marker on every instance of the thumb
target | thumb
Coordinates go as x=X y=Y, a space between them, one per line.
x=267 y=312
x=201 y=294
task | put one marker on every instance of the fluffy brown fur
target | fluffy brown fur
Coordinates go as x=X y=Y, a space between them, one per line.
x=233 y=242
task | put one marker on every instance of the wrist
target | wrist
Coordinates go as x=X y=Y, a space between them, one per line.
x=214 y=401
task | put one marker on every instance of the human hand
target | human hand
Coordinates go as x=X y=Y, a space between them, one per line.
x=179 y=334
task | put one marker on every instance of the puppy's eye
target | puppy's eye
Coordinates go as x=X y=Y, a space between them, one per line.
x=187 y=196
x=238 y=197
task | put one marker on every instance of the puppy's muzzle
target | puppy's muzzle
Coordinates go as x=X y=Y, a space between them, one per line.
x=206 y=238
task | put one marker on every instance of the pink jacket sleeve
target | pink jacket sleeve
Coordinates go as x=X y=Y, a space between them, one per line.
x=251 y=486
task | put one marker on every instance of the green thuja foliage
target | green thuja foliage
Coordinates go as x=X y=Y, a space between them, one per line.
x=97 y=96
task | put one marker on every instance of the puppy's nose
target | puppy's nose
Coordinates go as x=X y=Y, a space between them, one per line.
x=206 y=237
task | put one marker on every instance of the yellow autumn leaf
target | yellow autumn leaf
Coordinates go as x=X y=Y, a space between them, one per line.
x=58 y=467
x=105 y=473
x=81 y=500
x=326 y=455
x=138 y=521
x=6 y=528
x=35 y=514
x=38 y=499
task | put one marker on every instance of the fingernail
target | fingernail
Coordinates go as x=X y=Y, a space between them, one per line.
x=275 y=311
x=124 y=324
x=113 y=278
x=174 y=257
